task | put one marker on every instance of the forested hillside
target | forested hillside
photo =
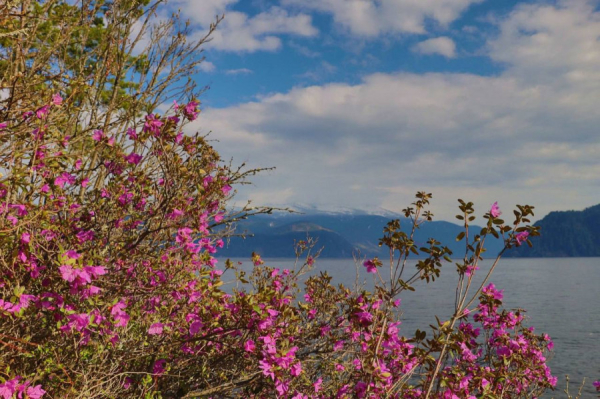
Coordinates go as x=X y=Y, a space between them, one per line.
x=567 y=233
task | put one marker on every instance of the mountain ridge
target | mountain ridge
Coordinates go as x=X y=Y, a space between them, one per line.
x=341 y=234
x=565 y=234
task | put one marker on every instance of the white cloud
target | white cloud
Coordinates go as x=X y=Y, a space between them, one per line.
x=546 y=42
x=240 y=71
x=527 y=135
x=440 y=45
x=206 y=66
x=371 y=18
x=241 y=32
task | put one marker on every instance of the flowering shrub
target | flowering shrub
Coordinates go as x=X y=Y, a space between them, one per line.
x=110 y=287
x=109 y=279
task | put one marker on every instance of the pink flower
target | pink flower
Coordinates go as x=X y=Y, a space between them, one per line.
x=360 y=388
x=491 y=290
x=471 y=269
x=95 y=271
x=132 y=134
x=256 y=259
x=35 y=392
x=63 y=179
x=249 y=346
x=266 y=368
x=93 y=290
x=370 y=265
x=77 y=321
x=133 y=158
x=68 y=273
x=281 y=387
x=155 y=329
x=72 y=254
x=550 y=343
x=24 y=301
x=226 y=189
x=317 y=385
x=195 y=327
x=41 y=113
x=296 y=369
x=21 y=209
x=503 y=351
x=57 y=99
x=521 y=237
x=98 y=135
x=364 y=318
x=3 y=125
x=175 y=214
x=127 y=383
x=152 y=124
x=191 y=110
x=8 y=388
x=121 y=318
x=159 y=366
x=495 y=211
x=25 y=238
x=206 y=181
x=219 y=217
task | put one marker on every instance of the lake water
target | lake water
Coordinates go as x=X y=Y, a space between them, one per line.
x=561 y=296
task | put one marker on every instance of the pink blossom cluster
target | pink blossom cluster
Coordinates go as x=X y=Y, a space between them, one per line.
x=65 y=273
x=508 y=349
x=15 y=388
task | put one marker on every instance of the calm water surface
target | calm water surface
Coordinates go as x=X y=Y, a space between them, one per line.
x=561 y=296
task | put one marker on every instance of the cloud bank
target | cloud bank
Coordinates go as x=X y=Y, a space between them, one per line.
x=240 y=32
x=373 y=18
x=527 y=135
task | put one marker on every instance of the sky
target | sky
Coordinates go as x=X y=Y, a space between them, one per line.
x=359 y=104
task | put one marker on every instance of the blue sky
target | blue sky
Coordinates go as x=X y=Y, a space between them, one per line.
x=334 y=55
x=361 y=103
